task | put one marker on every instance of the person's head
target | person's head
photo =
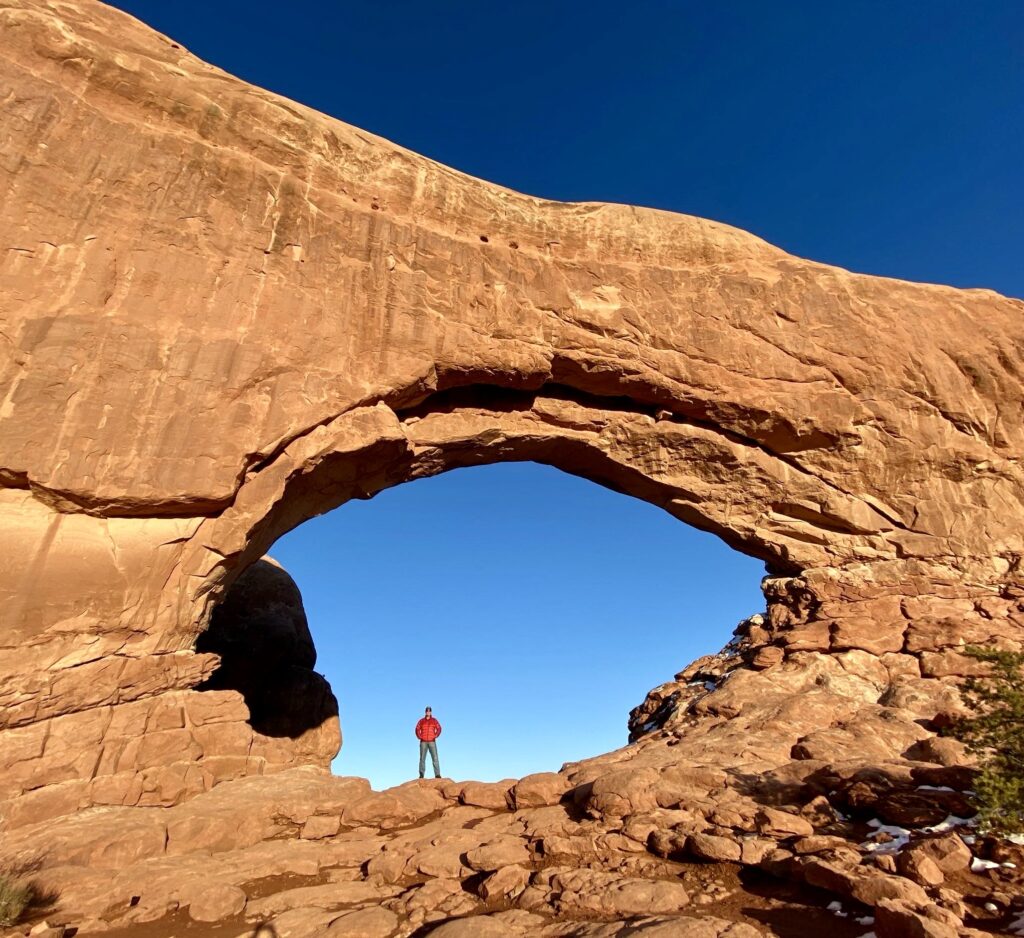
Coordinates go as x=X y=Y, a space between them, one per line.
x=428 y=712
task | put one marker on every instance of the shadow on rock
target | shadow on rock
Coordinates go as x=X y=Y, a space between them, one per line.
x=260 y=632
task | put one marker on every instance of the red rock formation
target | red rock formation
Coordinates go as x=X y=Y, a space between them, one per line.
x=260 y=634
x=226 y=313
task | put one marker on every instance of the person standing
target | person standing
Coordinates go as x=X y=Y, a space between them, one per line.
x=427 y=731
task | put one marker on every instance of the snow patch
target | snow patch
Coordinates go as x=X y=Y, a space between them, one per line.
x=901 y=835
x=900 y=838
x=978 y=865
x=952 y=822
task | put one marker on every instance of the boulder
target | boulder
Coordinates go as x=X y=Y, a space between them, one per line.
x=494 y=795
x=540 y=789
x=505 y=883
x=710 y=847
x=947 y=851
x=623 y=791
x=919 y=867
x=375 y=922
x=861 y=883
x=320 y=826
x=898 y=919
x=782 y=824
x=499 y=853
x=479 y=926
x=216 y=902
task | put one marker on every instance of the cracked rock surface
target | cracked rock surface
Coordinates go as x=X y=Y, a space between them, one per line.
x=222 y=313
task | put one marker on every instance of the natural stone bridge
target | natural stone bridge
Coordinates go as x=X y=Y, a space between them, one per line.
x=223 y=313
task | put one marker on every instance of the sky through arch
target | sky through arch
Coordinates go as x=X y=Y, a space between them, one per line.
x=530 y=608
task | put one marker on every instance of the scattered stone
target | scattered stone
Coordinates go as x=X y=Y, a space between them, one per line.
x=46 y=930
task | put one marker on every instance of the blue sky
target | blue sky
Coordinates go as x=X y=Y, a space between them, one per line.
x=532 y=609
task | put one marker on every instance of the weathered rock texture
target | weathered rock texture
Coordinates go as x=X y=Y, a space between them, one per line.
x=223 y=313
x=260 y=634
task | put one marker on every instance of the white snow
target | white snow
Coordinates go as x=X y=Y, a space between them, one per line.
x=900 y=838
x=1016 y=927
x=901 y=835
x=978 y=865
x=951 y=823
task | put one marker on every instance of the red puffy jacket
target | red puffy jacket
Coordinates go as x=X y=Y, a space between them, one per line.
x=428 y=729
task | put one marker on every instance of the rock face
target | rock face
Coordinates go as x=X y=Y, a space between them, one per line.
x=259 y=633
x=224 y=313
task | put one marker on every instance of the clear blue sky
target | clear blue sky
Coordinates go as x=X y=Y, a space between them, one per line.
x=529 y=608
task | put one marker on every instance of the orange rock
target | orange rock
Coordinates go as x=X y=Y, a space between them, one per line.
x=216 y=902
x=540 y=789
x=494 y=795
x=181 y=389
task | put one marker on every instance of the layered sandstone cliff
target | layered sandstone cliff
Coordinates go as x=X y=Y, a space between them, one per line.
x=224 y=313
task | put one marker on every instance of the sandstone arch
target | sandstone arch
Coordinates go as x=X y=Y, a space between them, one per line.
x=244 y=313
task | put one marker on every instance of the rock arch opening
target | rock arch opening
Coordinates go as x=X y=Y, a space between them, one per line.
x=532 y=608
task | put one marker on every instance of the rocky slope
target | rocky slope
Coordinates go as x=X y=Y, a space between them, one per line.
x=223 y=313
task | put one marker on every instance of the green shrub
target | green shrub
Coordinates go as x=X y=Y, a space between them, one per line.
x=995 y=733
x=14 y=897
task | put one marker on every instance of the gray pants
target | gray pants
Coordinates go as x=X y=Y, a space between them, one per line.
x=430 y=747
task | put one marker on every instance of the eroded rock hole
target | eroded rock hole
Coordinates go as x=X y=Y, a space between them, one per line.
x=267 y=654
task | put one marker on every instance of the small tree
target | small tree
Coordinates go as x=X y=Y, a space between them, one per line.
x=995 y=733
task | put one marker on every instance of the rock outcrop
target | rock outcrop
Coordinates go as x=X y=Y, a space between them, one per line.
x=261 y=638
x=224 y=313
